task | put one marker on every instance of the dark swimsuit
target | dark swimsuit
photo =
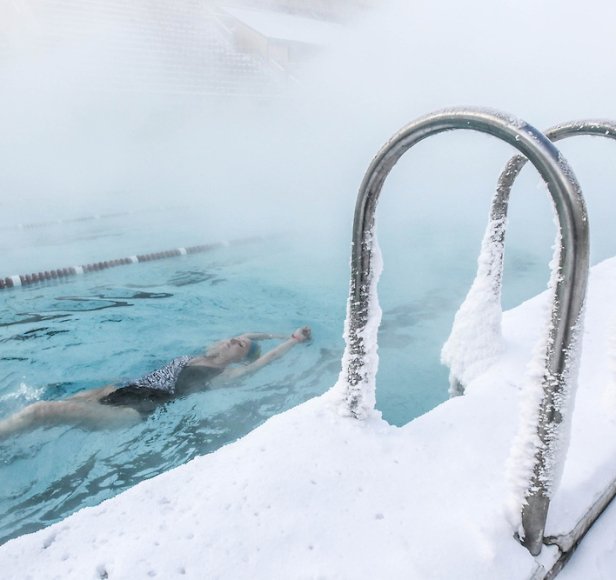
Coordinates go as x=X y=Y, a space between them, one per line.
x=147 y=393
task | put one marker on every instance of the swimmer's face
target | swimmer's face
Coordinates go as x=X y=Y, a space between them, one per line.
x=232 y=350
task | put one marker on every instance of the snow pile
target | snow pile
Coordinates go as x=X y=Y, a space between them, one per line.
x=475 y=341
x=313 y=494
x=596 y=556
x=610 y=387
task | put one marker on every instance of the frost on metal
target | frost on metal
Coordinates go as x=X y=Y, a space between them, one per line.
x=475 y=340
x=539 y=449
x=357 y=397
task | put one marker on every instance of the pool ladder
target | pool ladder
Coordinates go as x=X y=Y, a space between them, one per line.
x=569 y=281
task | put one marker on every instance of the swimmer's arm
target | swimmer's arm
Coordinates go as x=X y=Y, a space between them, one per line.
x=300 y=335
x=263 y=335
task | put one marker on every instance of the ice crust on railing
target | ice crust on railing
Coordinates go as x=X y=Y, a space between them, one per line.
x=527 y=443
x=365 y=391
x=476 y=339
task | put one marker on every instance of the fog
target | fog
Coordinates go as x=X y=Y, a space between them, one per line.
x=115 y=106
x=82 y=133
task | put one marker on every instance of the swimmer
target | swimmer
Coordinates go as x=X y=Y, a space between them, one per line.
x=124 y=405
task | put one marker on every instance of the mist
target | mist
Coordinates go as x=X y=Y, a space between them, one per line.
x=82 y=133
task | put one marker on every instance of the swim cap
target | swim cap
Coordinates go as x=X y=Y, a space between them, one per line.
x=254 y=352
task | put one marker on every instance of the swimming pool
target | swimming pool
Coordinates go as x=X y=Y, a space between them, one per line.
x=65 y=336
x=111 y=325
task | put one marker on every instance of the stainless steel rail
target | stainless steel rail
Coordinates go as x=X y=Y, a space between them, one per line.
x=568 y=543
x=500 y=204
x=498 y=217
x=559 y=380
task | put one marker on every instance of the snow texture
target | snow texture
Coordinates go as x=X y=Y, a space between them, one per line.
x=527 y=443
x=475 y=341
x=609 y=396
x=596 y=556
x=312 y=494
x=365 y=390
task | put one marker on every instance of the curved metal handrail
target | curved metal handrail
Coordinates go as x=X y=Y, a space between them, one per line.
x=494 y=236
x=358 y=374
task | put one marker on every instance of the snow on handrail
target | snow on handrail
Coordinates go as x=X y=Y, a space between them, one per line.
x=544 y=435
x=488 y=280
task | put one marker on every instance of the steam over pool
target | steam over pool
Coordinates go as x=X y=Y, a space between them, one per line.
x=191 y=166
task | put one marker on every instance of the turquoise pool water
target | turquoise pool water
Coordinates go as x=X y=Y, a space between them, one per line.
x=118 y=324
x=60 y=338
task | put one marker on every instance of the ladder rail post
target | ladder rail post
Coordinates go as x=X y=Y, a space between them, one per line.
x=569 y=293
x=497 y=225
x=500 y=201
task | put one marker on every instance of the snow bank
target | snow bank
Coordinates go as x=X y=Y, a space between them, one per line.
x=596 y=556
x=312 y=494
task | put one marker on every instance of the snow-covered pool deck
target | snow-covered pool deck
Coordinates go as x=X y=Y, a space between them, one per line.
x=311 y=494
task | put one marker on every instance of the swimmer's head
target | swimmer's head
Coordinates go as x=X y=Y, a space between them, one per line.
x=234 y=350
x=254 y=352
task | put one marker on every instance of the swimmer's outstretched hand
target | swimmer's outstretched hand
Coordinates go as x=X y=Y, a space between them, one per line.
x=302 y=334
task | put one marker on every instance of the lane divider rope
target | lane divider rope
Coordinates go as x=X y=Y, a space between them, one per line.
x=17 y=280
